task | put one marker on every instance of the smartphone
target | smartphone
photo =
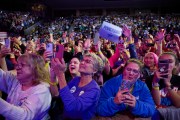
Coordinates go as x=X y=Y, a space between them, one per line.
x=59 y=52
x=163 y=66
x=8 y=43
x=49 y=48
x=96 y=38
x=126 y=85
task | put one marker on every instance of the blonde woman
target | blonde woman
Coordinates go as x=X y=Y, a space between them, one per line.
x=29 y=97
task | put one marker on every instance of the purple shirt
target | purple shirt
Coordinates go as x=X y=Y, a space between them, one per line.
x=80 y=102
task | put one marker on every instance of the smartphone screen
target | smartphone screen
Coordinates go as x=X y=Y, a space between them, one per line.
x=7 y=43
x=59 y=51
x=163 y=66
x=96 y=38
x=49 y=48
x=125 y=85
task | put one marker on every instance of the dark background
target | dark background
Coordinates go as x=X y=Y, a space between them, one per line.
x=68 y=7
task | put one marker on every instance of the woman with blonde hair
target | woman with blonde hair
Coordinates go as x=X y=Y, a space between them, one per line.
x=150 y=65
x=165 y=87
x=29 y=97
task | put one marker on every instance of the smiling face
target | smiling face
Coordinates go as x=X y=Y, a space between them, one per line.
x=74 y=66
x=149 y=60
x=131 y=72
x=87 y=66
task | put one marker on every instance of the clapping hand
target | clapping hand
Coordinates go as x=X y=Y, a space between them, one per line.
x=58 y=66
x=4 y=51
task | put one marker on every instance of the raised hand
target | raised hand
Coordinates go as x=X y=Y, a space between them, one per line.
x=126 y=31
x=4 y=51
x=166 y=76
x=87 y=44
x=160 y=35
x=46 y=55
x=58 y=66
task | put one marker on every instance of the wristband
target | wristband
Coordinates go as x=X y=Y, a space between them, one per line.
x=53 y=83
x=156 y=87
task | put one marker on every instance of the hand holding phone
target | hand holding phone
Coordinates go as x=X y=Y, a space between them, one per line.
x=59 y=51
x=49 y=48
x=163 y=66
x=126 y=85
x=8 y=43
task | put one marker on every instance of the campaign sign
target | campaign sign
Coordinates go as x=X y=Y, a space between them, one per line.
x=110 y=32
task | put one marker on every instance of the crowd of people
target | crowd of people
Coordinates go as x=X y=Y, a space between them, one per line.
x=16 y=22
x=61 y=72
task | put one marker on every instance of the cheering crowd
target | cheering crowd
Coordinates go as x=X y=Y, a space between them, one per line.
x=64 y=70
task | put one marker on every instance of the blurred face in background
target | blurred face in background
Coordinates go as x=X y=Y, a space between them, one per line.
x=78 y=47
x=149 y=60
x=74 y=66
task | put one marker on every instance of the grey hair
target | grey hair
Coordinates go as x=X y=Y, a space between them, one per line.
x=98 y=62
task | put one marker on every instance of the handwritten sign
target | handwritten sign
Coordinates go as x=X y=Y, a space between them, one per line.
x=110 y=32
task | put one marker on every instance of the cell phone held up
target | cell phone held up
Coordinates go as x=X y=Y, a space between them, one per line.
x=59 y=52
x=163 y=66
x=7 y=43
x=49 y=49
x=126 y=85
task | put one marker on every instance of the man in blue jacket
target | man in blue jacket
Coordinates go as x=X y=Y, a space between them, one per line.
x=126 y=94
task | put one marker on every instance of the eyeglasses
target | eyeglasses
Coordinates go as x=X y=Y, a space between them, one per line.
x=133 y=70
x=87 y=61
x=20 y=65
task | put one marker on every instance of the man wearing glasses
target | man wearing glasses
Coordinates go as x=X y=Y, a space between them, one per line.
x=126 y=96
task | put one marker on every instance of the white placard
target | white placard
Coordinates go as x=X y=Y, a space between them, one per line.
x=110 y=32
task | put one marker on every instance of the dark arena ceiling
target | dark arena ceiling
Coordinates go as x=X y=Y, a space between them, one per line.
x=89 y=4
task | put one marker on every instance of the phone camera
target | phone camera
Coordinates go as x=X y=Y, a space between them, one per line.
x=161 y=70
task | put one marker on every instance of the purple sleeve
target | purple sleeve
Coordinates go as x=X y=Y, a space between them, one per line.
x=80 y=103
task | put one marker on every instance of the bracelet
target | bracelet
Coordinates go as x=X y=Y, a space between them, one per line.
x=155 y=87
x=53 y=83
x=99 y=52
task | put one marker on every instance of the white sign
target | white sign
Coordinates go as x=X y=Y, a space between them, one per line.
x=110 y=32
x=3 y=35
